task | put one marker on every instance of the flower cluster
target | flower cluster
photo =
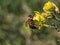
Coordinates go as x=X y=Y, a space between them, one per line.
x=41 y=18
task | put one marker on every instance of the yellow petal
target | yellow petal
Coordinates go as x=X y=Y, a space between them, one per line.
x=37 y=16
x=56 y=8
x=46 y=25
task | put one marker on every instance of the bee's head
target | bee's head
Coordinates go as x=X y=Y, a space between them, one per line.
x=30 y=16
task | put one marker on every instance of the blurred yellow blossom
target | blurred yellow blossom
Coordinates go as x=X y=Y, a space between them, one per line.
x=50 y=6
x=38 y=17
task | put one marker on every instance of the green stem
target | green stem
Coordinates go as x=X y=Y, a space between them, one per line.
x=57 y=18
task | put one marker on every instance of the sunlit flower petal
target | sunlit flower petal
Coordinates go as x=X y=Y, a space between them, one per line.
x=50 y=6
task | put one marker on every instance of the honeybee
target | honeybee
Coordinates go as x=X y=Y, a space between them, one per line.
x=30 y=22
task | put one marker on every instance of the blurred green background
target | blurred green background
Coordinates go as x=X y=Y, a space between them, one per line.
x=13 y=14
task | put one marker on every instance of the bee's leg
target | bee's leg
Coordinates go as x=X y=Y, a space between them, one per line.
x=33 y=27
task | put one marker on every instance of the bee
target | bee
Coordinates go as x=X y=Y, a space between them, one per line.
x=30 y=22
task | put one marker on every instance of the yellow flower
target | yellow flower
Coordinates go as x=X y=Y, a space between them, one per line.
x=38 y=17
x=50 y=6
